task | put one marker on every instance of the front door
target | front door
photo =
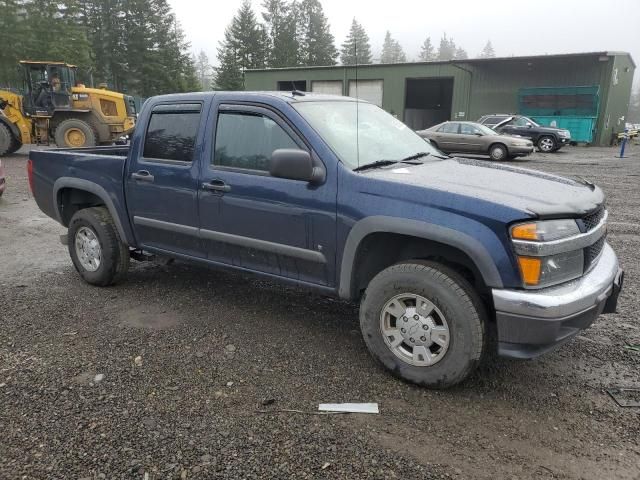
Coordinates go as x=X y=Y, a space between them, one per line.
x=255 y=221
x=162 y=180
x=470 y=139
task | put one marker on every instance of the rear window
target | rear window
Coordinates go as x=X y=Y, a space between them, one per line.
x=172 y=131
x=492 y=120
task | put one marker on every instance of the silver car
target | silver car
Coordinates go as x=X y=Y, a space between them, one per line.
x=471 y=137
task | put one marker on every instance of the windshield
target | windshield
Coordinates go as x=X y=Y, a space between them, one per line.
x=380 y=135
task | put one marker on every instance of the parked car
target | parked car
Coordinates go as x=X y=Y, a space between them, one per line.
x=547 y=139
x=3 y=179
x=438 y=251
x=471 y=137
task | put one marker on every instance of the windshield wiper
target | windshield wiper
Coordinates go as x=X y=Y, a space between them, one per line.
x=415 y=156
x=376 y=164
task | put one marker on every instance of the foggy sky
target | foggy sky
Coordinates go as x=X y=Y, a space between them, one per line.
x=540 y=27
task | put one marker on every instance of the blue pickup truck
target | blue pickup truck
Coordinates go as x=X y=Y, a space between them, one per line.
x=450 y=258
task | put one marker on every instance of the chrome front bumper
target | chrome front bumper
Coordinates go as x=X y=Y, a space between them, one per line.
x=531 y=322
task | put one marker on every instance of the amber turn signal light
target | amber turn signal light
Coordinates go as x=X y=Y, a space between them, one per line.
x=530 y=269
x=525 y=231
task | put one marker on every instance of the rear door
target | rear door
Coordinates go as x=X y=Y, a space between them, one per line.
x=447 y=137
x=255 y=221
x=162 y=180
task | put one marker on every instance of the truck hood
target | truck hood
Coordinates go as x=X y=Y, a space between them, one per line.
x=533 y=192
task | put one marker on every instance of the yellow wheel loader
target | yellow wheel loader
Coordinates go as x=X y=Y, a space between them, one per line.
x=54 y=108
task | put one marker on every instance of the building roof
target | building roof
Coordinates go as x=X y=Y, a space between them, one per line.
x=463 y=61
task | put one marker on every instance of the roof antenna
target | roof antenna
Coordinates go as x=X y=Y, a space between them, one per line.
x=355 y=51
x=294 y=91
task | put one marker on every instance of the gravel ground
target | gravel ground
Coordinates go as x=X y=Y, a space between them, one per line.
x=165 y=375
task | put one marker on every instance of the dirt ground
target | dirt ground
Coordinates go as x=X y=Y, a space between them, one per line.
x=213 y=346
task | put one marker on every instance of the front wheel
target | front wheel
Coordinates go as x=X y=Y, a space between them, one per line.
x=546 y=144
x=97 y=252
x=498 y=152
x=424 y=323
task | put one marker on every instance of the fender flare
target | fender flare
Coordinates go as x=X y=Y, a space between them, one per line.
x=91 y=187
x=12 y=126
x=428 y=231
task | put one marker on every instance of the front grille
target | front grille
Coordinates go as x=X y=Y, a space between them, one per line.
x=592 y=252
x=592 y=220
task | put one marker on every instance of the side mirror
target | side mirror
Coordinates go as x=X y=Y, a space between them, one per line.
x=529 y=125
x=294 y=165
x=478 y=134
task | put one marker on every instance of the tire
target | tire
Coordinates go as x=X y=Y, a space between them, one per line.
x=91 y=224
x=6 y=140
x=456 y=306
x=547 y=144
x=17 y=145
x=73 y=133
x=498 y=152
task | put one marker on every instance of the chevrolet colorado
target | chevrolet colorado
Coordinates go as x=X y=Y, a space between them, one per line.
x=448 y=257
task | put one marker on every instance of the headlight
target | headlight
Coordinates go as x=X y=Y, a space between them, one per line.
x=545 y=231
x=541 y=270
x=565 y=133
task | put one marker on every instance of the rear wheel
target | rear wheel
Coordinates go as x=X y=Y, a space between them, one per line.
x=6 y=140
x=75 y=133
x=546 y=144
x=17 y=145
x=424 y=323
x=95 y=247
x=498 y=152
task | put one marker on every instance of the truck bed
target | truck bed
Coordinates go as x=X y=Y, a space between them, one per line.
x=54 y=170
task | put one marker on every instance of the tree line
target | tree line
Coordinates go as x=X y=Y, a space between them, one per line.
x=295 y=33
x=134 y=46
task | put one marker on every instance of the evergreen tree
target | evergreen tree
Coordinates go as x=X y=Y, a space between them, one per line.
x=392 y=51
x=203 y=69
x=280 y=20
x=317 y=45
x=427 y=53
x=460 y=54
x=228 y=73
x=12 y=40
x=487 y=51
x=447 y=49
x=245 y=46
x=356 y=49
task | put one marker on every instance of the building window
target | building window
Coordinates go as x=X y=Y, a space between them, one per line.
x=290 y=85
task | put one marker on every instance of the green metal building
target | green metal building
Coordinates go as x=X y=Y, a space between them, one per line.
x=588 y=93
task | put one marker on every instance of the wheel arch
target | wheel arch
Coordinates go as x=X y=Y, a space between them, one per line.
x=73 y=194
x=393 y=239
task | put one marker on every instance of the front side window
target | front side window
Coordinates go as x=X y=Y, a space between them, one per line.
x=361 y=133
x=466 y=129
x=172 y=131
x=247 y=141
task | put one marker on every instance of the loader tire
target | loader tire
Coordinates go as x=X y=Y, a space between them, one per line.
x=6 y=140
x=74 y=133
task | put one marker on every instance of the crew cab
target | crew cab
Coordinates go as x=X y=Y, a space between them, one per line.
x=336 y=195
x=547 y=139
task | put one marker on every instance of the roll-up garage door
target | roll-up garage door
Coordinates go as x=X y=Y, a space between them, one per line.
x=328 y=87
x=369 y=90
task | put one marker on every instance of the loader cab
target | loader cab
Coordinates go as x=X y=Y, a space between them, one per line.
x=47 y=87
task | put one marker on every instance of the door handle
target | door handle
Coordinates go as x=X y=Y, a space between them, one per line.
x=216 y=186
x=143 y=176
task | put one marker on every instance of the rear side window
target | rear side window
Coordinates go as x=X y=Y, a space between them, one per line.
x=449 y=128
x=172 y=132
x=247 y=141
